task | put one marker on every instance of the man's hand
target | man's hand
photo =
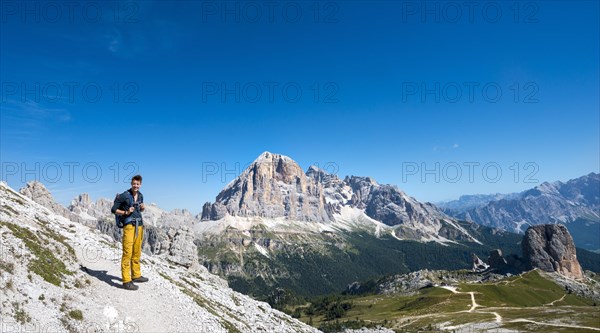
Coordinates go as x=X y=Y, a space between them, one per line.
x=142 y=207
x=131 y=209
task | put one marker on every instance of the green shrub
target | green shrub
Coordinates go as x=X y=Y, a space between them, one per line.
x=46 y=265
x=76 y=314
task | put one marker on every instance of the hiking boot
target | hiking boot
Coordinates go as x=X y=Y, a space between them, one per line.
x=140 y=279
x=130 y=286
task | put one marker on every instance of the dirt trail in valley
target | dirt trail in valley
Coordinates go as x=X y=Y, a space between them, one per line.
x=498 y=318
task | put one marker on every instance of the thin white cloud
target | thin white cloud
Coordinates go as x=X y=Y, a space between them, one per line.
x=33 y=110
x=24 y=121
x=444 y=148
x=113 y=45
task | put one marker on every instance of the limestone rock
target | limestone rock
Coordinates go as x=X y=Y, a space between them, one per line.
x=391 y=206
x=337 y=192
x=272 y=186
x=478 y=264
x=497 y=261
x=550 y=248
x=83 y=207
x=361 y=190
x=213 y=212
x=182 y=249
x=40 y=194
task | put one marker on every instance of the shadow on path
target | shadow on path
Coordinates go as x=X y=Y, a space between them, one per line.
x=102 y=276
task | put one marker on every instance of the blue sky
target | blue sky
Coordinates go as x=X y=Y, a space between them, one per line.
x=189 y=92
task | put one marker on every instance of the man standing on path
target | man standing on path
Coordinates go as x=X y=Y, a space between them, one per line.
x=130 y=205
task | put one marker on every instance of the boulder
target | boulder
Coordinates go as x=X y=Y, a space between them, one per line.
x=550 y=248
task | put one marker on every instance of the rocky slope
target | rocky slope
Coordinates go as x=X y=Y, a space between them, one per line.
x=59 y=275
x=37 y=192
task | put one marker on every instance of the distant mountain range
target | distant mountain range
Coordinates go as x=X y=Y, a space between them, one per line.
x=470 y=201
x=575 y=203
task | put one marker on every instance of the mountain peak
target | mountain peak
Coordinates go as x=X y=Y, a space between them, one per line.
x=276 y=166
x=272 y=186
x=318 y=174
x=268 y=156
x=35 y=185
x=38 y=193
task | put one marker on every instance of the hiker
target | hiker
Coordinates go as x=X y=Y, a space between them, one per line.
x=128 y=206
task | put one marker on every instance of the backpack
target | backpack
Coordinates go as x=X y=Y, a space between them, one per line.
x=120 y=220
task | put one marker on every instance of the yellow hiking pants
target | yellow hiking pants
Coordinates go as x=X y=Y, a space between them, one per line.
x=132 y=251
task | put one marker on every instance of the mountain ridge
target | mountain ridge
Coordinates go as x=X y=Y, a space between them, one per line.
x=274 y=186
x=575 y=203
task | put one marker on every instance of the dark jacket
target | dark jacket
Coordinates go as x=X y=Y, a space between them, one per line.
x=123 y=202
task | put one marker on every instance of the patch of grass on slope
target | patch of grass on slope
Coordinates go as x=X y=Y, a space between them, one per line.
x=428 y=300
x=530 y=289
x=45 y=263
x=386 y=308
